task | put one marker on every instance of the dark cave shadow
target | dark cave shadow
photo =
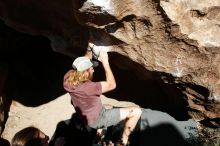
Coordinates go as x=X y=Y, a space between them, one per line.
x=35 y=80
x=75 y=133
x=34 y=71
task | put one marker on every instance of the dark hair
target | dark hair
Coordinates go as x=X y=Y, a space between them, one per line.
x=34 y=142
x=27 y=137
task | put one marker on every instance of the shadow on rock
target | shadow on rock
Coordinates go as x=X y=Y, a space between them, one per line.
x=164 y=134
x=155 y=128
x=4 y=142
x=74 y=132
x=35 y=79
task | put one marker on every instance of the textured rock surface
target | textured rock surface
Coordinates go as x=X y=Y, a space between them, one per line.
x=177 y=39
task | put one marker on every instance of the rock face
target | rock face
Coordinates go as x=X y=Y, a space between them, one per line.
x=176 y=40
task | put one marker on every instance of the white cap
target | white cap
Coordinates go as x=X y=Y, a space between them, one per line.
x=82 y=63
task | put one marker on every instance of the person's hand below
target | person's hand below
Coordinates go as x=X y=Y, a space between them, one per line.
x=110 y=143
x=103 y=57
x=99 y=132
x=91 y=45
x=60 y=141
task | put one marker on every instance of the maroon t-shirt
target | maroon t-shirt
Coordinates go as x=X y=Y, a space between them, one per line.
x=86 y=98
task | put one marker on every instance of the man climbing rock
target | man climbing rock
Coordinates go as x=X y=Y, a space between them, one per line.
x=85 y=96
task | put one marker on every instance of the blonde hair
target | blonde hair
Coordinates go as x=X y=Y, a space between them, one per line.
x=75 y=78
